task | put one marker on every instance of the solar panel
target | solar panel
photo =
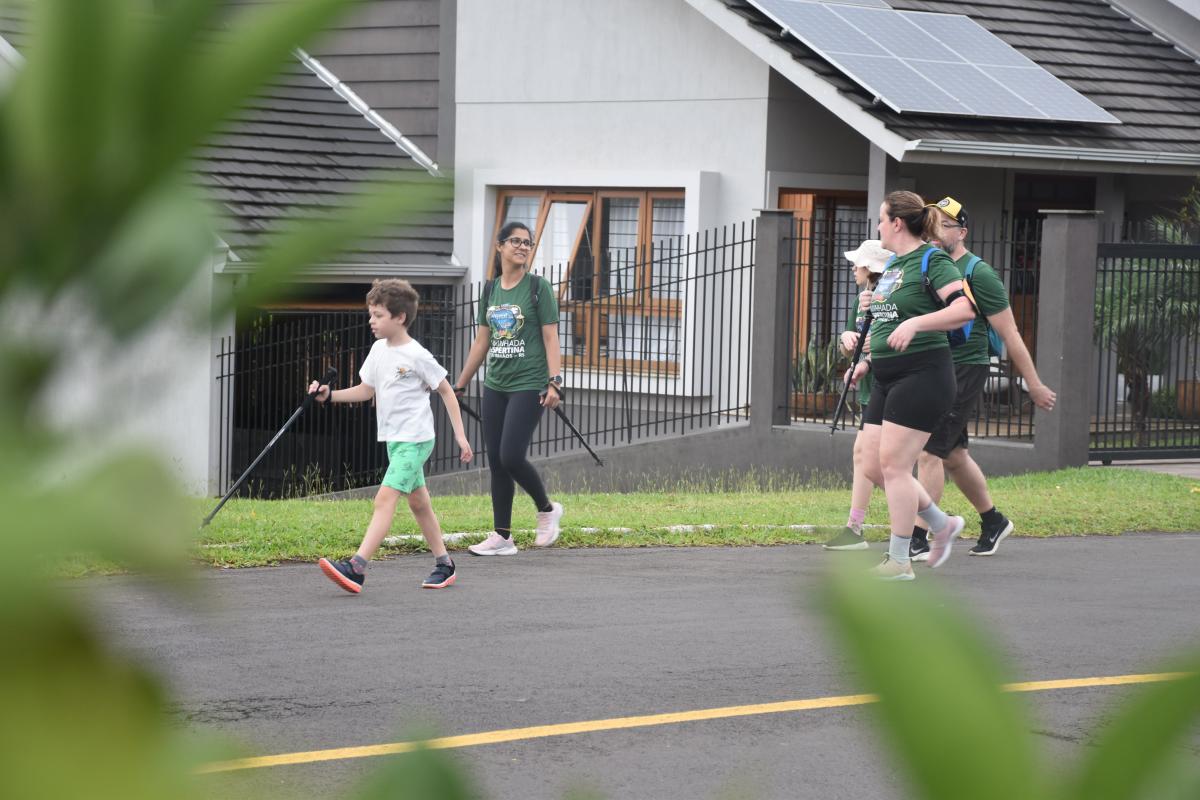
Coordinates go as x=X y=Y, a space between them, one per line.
x=897 y=36
x=974 y=89
x=886 y=76
x=804 y=20
x=926 y=63
x=1047 y=92
x=969 y=39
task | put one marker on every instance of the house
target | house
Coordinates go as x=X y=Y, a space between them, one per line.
x=621 y=129
x=307 y=143
x=688 y=114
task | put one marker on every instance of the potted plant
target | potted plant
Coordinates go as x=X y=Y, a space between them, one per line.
x=817 y=377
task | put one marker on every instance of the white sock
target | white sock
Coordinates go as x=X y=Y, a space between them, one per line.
x=934 y=517
x=898 y=549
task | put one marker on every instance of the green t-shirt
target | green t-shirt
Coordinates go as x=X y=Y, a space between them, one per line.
x=990 y=298
x=852 y=323
x=899 y=295
x=516 y=357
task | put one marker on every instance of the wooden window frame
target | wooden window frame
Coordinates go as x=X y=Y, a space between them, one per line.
x=593 y=313
x=803 y=204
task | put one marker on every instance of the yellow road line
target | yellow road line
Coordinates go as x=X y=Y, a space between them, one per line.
x=618 y=723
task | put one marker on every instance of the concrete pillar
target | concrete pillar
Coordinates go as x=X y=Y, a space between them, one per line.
x=1065 y=356
x=882 y=176
x=769 y=383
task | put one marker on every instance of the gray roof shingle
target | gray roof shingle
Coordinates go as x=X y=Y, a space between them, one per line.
x=1148 y=84
x=299 y=152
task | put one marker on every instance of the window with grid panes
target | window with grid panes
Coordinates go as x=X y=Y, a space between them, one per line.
x=615 y=258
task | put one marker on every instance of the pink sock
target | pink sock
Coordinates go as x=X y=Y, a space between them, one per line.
x=857 y=517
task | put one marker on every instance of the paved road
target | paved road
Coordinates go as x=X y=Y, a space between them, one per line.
x=283 y=661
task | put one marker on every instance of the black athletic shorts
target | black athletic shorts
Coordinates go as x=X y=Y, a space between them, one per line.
x=951 y=432
x=912 y=389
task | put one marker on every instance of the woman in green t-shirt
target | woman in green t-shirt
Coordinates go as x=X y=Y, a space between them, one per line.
x=914 y=374
x=518 y=335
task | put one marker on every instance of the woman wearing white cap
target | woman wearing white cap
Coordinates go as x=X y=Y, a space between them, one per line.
x=868 y=263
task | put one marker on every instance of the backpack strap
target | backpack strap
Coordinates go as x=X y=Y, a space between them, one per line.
x=937 y=301
x=971 y=266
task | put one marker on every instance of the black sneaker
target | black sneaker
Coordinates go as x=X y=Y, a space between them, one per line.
x=918 y=545
x=341 y=573
x=846 y=540
x=441 y=577
x=991 y=537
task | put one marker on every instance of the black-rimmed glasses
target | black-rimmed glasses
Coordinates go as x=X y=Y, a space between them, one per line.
x=518 y=242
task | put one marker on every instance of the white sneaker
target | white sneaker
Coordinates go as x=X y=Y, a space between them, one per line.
x=941 y=542
x=547 y=526
x=494 y=545
x=889 y=570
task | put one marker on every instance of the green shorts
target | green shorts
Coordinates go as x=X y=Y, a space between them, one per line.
x=406 y=461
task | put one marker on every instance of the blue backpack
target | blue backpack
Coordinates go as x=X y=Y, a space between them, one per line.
x=995 y=343
x=958 y=336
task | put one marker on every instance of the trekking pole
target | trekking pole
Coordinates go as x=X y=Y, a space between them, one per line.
x=567 y=421
x=330 y=377
x=470 y=412
x=858 y=349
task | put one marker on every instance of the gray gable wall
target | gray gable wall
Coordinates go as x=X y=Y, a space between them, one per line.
x=297 y=154
x=392 y=53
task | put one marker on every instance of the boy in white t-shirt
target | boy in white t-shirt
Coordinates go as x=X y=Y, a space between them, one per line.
x=399 y=373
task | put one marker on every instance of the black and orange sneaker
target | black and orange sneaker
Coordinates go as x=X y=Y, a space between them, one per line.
x=441 y=577
x=341 y=573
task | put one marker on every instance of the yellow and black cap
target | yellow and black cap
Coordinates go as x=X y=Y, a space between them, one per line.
x=952 y=209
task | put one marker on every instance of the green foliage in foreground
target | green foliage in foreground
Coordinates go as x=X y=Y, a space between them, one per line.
x=1062 y=503
x=102 y=231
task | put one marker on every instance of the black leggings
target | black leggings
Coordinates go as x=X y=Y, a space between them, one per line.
x=509 y=420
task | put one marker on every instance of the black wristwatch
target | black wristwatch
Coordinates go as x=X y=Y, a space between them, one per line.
x=557 y=381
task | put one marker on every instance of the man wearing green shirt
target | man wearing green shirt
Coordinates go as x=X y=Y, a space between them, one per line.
x=946 y=450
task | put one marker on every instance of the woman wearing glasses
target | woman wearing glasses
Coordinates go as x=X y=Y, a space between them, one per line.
x=914 y=374
x=518 y=335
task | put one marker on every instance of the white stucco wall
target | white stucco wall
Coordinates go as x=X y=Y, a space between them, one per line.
x=157 y=391
x=808 y=147
x=620 y=93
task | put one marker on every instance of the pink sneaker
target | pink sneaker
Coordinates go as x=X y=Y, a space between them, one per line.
x=941 y=542
x=494 y=545
x=547 y=526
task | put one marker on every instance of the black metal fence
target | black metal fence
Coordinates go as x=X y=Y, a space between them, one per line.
x=1147 y=336
x=654 y=343
x=823 y=293
x=263 y=373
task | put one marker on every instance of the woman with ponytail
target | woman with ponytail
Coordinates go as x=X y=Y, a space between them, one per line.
x=913 y=373
x=518 y=335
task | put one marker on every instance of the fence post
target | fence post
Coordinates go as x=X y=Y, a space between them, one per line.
x=1065 y=354
x=768 y=353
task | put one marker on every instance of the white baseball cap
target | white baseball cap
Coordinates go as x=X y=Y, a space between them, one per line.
x=870 y=254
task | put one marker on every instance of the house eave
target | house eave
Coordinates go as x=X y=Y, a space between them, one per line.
x=935 y=150
x=341 y=271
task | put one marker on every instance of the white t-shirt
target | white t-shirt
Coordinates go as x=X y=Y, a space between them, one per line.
x=402 y=378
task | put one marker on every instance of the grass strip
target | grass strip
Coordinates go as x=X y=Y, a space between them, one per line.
x=1087 y=500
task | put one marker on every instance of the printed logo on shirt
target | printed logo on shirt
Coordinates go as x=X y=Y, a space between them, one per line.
x=505 y=321
x=404 y=373
x=889 y=282
x=881 y=309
